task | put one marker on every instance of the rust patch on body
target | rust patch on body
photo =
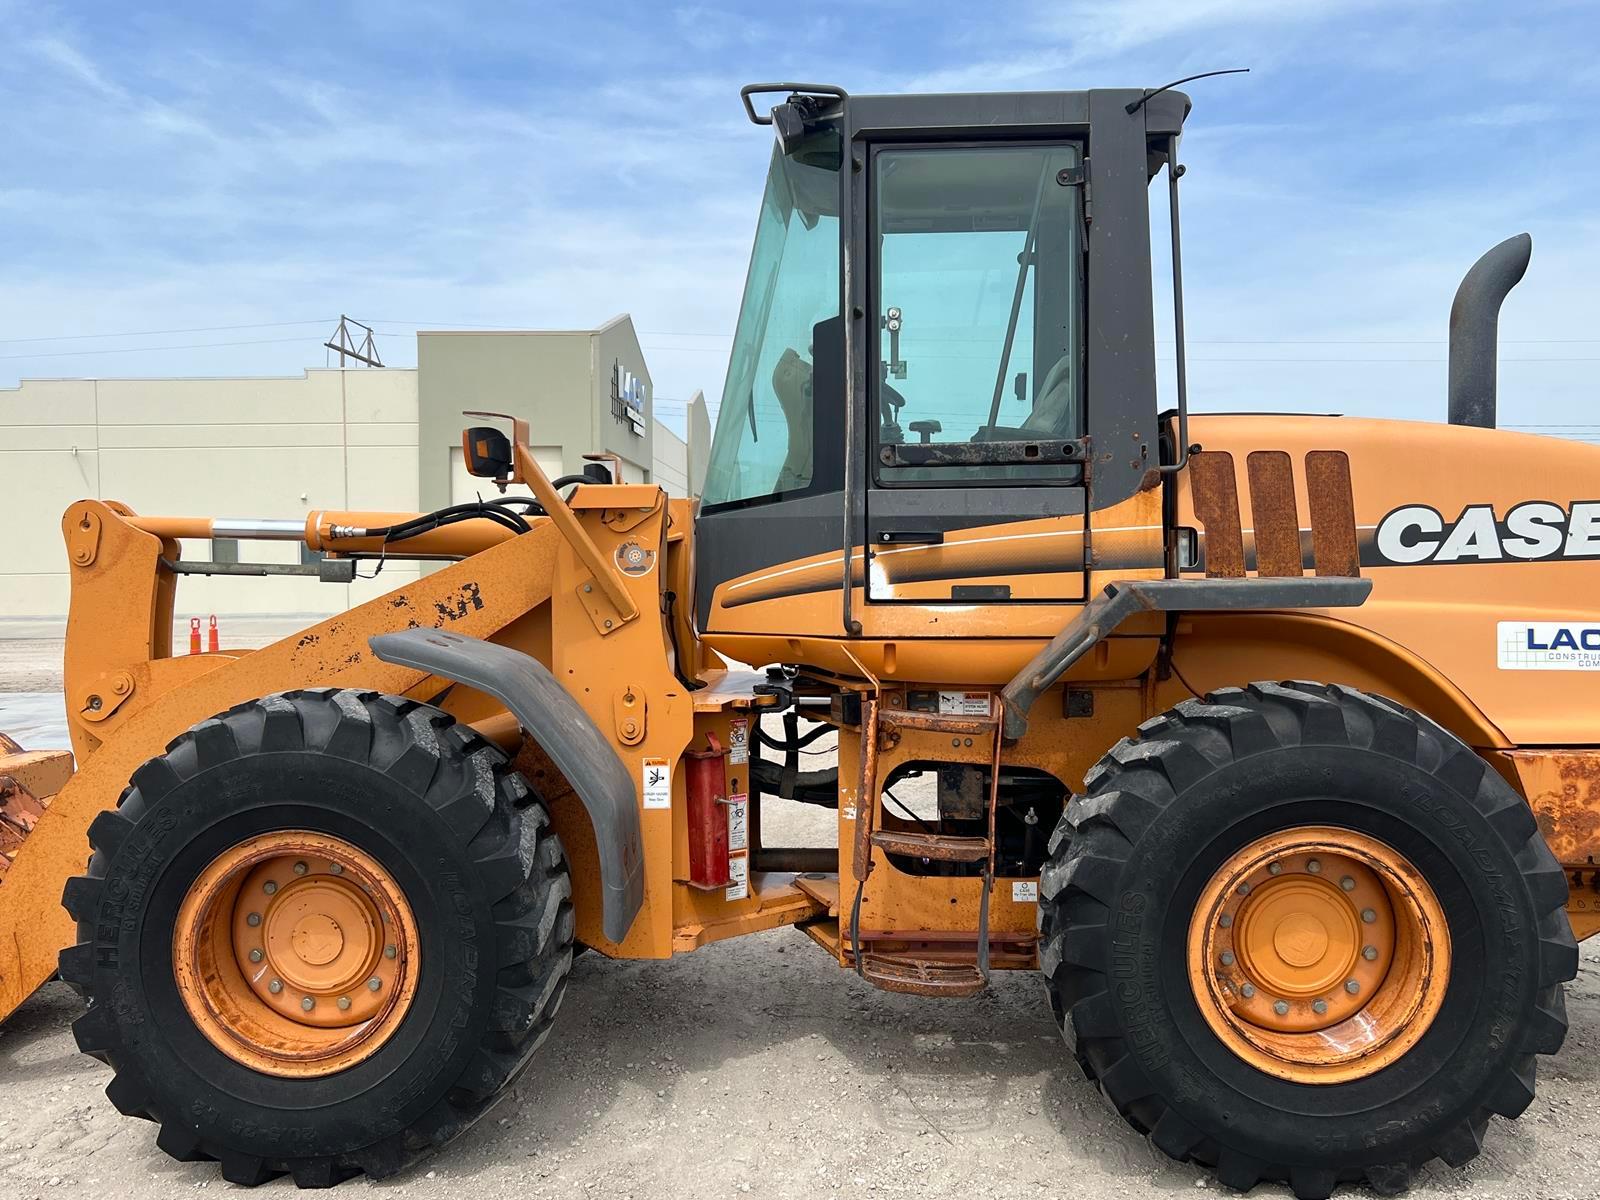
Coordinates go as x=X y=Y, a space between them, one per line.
x=1274 y=513
x=1215 y=492
x=1563 y=789
x=1333 y=513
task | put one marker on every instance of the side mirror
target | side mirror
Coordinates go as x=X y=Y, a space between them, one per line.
x=486 y=452
x=789 y=124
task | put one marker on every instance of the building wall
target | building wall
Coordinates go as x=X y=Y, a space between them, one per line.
x=273 y=448
x=559 y=382
x=374 y=439
x=671 y=462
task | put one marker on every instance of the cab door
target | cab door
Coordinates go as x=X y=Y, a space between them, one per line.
x=975 y=486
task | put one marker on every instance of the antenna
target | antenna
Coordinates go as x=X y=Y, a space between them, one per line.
x=1150 y=93
x=343 y=341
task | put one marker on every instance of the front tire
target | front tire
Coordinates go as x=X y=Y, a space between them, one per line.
x=1182 y=832
x=319 y=935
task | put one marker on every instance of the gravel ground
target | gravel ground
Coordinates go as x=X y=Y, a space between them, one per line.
x=755 y=1067
x=759 y=1067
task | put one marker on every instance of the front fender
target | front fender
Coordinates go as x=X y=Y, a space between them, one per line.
x=549 y=715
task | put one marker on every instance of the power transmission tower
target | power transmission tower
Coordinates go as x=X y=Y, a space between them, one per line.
x=344 y=343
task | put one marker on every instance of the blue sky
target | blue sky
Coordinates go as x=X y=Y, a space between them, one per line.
x=243 y=173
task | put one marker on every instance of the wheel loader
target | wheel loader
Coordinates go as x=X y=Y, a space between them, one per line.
x=1267 y=740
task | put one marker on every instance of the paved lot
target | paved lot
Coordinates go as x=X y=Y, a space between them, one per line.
x=754 y=1067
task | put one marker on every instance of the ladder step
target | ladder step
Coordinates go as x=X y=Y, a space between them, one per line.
x=932 y=845
x=921 y=977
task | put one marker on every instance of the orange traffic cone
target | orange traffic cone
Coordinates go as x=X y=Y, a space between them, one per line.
x=194 y=635
x=212 y=644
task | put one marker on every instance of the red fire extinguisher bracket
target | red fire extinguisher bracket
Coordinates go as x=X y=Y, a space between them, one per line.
x=706 y=785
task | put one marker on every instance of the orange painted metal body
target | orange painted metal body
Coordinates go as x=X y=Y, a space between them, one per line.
x=127 y=696
x=563 y=594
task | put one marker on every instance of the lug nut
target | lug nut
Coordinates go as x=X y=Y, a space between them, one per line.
x=1281 y=1007
x=275 y=986
x=1348 y=884
x=1248 y=991
x=1314 y=866
x=269 y=887
x=1225 y=920
x=300 y=868
x=336 y=868
x=1275 y=869
x=1227 y=958
x=253 y=920
x=1319 y=1007
x=390 y=951
x=255 y=956
x=1351 y=986
x=1244 y=889
x=308 y=1004
x=374 y=984
x=344 y=1003
x=1368 y=916
x=1370 y=953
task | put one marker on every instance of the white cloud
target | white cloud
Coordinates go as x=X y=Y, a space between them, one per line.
x=71 y=62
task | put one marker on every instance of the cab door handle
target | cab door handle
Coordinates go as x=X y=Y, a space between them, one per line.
x=910 y=537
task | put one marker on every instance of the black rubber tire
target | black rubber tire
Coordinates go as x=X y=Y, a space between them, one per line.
x=1164 y=809
x=463 y=835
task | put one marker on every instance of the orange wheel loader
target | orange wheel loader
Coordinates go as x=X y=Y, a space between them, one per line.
x=1267 y=740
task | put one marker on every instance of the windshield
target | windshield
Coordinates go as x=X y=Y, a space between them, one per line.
x=763 y=445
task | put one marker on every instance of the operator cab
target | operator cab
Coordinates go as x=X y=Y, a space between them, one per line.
x=944 y=360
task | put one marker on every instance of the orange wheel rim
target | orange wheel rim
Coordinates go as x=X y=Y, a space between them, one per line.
x=296 y=954
x=1318 y=955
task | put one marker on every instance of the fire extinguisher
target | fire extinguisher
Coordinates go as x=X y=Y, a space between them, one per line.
x=706 y=783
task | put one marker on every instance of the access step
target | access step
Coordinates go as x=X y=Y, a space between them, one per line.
x=943 y=847
x=920 y=976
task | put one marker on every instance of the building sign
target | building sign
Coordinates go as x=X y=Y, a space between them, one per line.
x=627 y=398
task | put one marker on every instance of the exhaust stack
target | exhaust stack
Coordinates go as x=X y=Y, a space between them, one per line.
x=1474 y=330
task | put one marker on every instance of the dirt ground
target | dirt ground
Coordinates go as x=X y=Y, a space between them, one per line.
x=753 y=1067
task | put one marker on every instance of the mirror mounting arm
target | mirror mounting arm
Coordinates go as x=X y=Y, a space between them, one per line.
x=526 y=469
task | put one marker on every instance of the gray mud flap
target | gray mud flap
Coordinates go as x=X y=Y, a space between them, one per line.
x=564 y=731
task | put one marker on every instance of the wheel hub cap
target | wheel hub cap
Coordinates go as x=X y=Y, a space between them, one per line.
x=1318 y=954
x=296 y=953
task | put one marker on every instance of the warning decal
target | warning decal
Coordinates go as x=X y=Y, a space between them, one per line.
x=1025 y=893
x=657 y=780
x=738 y=741
x=964 y=704
x=738 y=826
x=739 y=873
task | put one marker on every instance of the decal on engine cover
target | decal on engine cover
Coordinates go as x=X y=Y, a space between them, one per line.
x=1548 y=646
x=1534 y=530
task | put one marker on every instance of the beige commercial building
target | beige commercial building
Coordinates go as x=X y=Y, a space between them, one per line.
x=367 y=438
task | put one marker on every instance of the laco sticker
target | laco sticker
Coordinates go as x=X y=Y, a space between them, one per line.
x=1548 y=646
x=1532 y=531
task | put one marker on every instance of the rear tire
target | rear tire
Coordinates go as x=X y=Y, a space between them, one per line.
x=440 y=812
x=1164 y=811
